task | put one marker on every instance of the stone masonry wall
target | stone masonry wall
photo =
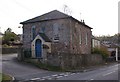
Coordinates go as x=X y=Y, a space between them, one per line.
x=69 y=32
x=73 y=61
x=27 y=36
x=80 y=32
x=47 y=27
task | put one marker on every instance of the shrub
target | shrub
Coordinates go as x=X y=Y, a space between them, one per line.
x=5 y=45
x=102 y=51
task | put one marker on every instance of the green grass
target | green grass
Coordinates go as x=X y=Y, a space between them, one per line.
x=0 y=77
x=4 y=77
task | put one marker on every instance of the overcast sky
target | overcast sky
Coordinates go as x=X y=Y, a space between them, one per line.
x=101 y=15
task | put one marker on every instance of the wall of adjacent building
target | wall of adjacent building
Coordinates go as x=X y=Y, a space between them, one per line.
x=95 y=43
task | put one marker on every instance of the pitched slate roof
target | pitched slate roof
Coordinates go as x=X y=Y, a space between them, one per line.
x=44 y=37
x=55 y=14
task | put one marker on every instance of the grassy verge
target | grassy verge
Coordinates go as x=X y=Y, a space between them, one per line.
x=44 y=66
x=4 y=77
x=0 y=77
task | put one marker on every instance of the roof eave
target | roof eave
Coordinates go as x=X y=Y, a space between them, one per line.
x=80 y=22
x=26 y=22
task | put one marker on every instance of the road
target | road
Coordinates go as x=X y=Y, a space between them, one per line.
x=21 y=71
x=24 y=72
x=106 y=73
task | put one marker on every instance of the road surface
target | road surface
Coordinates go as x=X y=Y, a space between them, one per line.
x=21 y=71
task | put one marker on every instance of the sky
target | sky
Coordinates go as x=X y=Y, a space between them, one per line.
x=101 y=15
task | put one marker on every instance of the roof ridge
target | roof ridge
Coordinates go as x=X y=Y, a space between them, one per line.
x=44 y=15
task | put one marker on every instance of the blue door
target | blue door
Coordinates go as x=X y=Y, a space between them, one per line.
x=38 y=48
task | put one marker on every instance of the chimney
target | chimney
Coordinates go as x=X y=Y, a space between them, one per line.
x=83 y=22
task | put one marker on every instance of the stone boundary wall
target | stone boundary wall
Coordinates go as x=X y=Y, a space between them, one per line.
x=74 y=61
x=9 y=50
x=66 y=60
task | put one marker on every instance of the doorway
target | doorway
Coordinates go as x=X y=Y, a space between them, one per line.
x=38 y=48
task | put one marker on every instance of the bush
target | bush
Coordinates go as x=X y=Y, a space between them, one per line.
x=102 y=51
x=5 y=45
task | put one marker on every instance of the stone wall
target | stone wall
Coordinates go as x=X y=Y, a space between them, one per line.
x=66 y=60
x=83 y=33
x=69 y=32
x=9 y=50
x=73 y=61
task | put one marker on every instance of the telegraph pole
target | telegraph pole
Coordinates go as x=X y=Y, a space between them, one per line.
x=116 y=54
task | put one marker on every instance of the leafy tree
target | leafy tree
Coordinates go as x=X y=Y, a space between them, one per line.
x=8 y=30
x=102 y=51
x=112 y=39
x=9 y=36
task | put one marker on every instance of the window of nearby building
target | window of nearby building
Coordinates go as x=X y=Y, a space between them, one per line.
x=56 y=32
x=93 y=43
x=33 y=32
x=86 y=39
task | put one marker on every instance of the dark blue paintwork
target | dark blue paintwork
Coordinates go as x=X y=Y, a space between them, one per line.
x=38 y=48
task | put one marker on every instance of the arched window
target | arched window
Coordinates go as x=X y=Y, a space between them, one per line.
x=56 y=32
x=80 y=38
x=43 y=29
x=86 y=39
x=33 y=32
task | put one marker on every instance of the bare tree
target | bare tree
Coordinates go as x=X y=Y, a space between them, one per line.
x=67 y=10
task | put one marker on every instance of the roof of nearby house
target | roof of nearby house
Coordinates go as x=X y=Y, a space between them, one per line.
x=44 y=37
x=93 y=37
x=53 y=15
x=110 y=45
